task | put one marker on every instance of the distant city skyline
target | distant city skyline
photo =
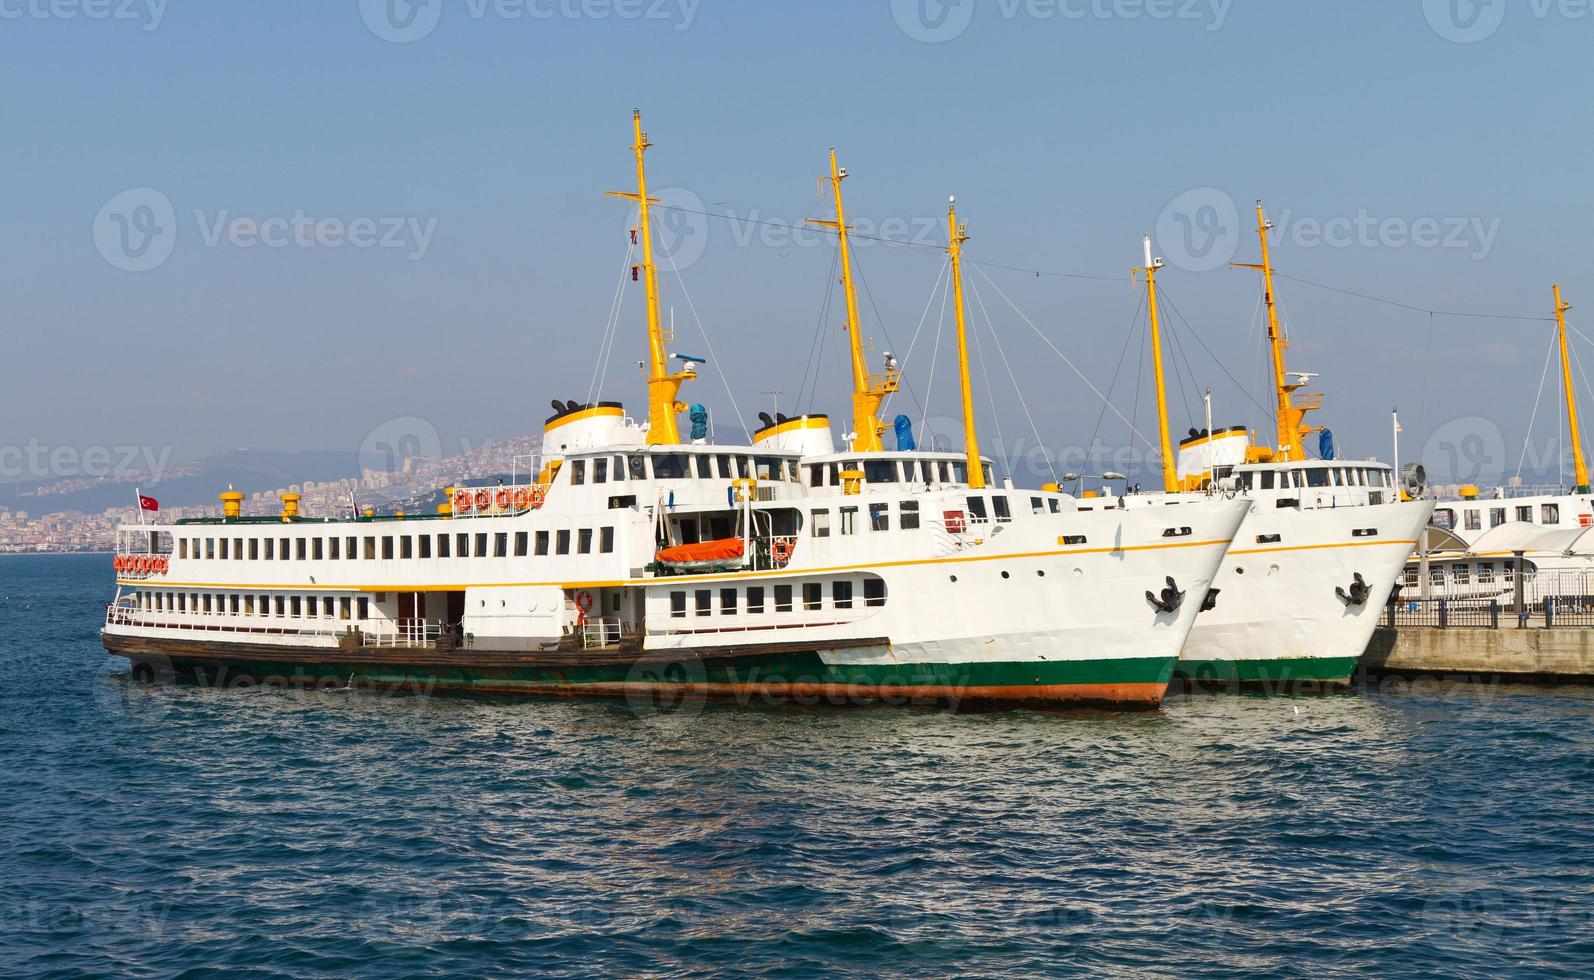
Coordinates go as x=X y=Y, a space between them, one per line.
x=355 y=226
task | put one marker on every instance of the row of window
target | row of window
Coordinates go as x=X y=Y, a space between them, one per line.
x=344 y=608
x=1445 y=517
x=680 y=466
x=580 y=541
x=755 y=601
x=908 y=515
x=1316 y=477
x=887 y=471
x=1461 y=573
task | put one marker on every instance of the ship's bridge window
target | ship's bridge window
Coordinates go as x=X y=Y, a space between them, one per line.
x=1496 y=516
x=670 y=466
x=501 y=545
x=816 y=476
x=1551 y=514
x=1037 y=505
x=849 y=520
x=302 y=549
x=1317 y=477
x=960 y=473
x=425 y=543
x=879 y=517
x=318 y=550
x=1525 y=514
x=600 y=470
x=619 y=468
x=406 y=547
x=606 y=541
x=832 y=474
x=578 y=472
x=767 y=468
x=481 y=545
x=563 y=541
x=977 y=508
x=1444 y=517
x=639 y=467
x=880 y=471
x=542 y=542
x=1473 y=519
x=1004 y=512
x=351 y=549
x=821 y=523
x=387 y=546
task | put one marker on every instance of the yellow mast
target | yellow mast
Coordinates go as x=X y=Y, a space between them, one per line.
x=663 y=387
x=957 y=235
x=867 y=392
x=1292 y=429
x=1170 y=475
x=1573 y=432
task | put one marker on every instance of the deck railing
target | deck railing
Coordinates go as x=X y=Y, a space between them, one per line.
x=1460 y=613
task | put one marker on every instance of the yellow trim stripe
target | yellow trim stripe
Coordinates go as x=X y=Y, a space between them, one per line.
x=694 y=579
x=1323 y=547
x=792 y=425
x=586 y=413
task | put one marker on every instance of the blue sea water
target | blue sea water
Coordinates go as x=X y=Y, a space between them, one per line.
x=159 y=830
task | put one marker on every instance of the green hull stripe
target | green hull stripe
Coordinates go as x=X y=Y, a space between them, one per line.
x=1281 y=670
x=799 y=668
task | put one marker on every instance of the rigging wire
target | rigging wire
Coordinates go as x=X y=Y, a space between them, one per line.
x=1129 y=335
x=935 y=355
x=1023 y=316
x=914 y=343
x=816 y=346
x=718 y=369
x=1022 y=401
x=990 y=393
x=610 y=330
x=1168 y=300
x=1533 y=419
x=881 y=321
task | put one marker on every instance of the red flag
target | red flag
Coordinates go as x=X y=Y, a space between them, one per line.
x=148 y=503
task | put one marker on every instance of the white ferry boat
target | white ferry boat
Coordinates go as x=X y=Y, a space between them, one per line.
x=639 y=563
x=1477 y=513
x=1322 y=546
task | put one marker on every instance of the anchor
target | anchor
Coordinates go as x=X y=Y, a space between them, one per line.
x=1171 y=598
x=1358 y=594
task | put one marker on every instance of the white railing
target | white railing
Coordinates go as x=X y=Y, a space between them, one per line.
x=601 y=632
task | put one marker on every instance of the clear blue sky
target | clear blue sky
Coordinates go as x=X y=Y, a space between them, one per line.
x=1065 y=138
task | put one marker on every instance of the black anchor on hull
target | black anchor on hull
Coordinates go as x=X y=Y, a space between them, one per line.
x=1359 y=592
x=1170 y=600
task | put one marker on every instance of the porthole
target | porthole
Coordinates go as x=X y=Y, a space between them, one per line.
x=1006 y=575
x=954 y=578
x=1040 y=572
x=1239 y=571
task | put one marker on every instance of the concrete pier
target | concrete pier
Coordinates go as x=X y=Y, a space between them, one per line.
x=1557 y=654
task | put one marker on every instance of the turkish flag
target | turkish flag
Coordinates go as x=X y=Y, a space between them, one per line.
x=148 y=503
